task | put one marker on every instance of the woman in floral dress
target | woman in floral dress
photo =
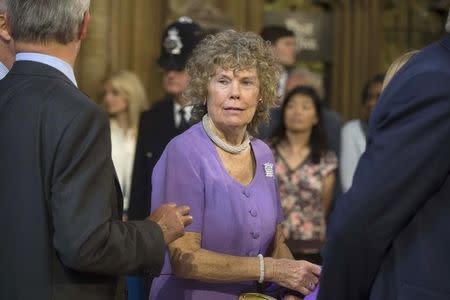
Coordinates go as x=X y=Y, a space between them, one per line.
x=305 y=169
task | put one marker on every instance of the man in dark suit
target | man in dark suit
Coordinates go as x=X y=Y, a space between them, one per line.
x=168 y=117
x=62 y=237
x=389 y=235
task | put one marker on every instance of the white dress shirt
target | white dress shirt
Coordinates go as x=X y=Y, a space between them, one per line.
x=187 y=113
x=353 y=145
x=3 y=70
x=123 y=146
x=282 y=85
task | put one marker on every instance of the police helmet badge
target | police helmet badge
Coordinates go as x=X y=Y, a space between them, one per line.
x=172 y=43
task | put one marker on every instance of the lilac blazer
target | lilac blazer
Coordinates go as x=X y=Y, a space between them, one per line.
x=232 y=218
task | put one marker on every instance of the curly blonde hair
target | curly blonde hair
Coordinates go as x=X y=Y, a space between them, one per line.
x=231 y=50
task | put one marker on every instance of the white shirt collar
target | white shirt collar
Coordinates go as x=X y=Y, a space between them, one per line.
x=51 y=61
x=187 y=113
x=3 y=70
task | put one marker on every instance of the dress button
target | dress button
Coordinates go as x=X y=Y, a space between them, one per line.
x=255 y=235
x=246 y=193
x=253 y=212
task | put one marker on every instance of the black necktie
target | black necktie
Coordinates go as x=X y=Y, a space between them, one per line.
x=183 y=124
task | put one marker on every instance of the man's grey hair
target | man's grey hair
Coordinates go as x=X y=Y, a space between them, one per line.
x=43 y=21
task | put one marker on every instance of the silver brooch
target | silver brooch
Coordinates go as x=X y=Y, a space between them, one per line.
x=172 y=43
x=268 y=169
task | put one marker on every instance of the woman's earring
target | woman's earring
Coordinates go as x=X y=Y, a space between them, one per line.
x=204 y=102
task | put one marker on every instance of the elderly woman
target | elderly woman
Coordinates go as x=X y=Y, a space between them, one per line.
x=227 y=178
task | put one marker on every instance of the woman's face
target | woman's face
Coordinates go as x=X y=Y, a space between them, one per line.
x=113 y=101
x=300 y=113
x=233 y=98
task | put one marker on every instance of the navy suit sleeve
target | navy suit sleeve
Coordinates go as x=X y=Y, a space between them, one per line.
x=88 y=235
x=406 y=161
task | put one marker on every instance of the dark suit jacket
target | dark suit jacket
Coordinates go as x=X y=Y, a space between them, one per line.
x=60 y=203
x=156 y=129
x=388 y=237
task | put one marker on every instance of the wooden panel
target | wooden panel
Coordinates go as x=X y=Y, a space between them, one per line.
x=123 y=35
x=94 y=55
x=255 y=15
x=357 y=53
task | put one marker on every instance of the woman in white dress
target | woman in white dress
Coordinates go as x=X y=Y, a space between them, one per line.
x=124 y=99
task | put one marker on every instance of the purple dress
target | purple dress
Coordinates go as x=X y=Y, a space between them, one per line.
x=232 y=218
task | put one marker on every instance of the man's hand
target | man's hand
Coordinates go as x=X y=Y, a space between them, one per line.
x=172 y=219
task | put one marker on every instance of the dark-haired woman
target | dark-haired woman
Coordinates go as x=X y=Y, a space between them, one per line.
x=305 y=169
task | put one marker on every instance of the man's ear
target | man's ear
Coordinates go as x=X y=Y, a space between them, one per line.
x=84 y=26
x=4 y=28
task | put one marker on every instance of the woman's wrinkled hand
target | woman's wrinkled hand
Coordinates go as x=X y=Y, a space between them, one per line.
x=297 y=275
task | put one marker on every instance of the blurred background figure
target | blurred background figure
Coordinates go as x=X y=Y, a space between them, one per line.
x=305 y=169
x=332 y=121
x=124 y=99
x=7 y=53
x=168 y=117
x=285 y=48
x=354 y=132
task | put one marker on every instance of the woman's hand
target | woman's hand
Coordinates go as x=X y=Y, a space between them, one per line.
x=298 y=275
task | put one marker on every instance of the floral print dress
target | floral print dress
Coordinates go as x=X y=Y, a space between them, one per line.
x=300 y=193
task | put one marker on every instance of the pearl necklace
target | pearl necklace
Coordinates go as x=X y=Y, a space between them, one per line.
x=207 y=125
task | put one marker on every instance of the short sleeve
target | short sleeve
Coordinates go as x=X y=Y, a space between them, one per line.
x=176 y=178
x=328 y=163
x=279 y=210
x=280 y=213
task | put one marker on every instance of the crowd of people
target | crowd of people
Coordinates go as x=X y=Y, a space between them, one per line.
x=231 y=185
